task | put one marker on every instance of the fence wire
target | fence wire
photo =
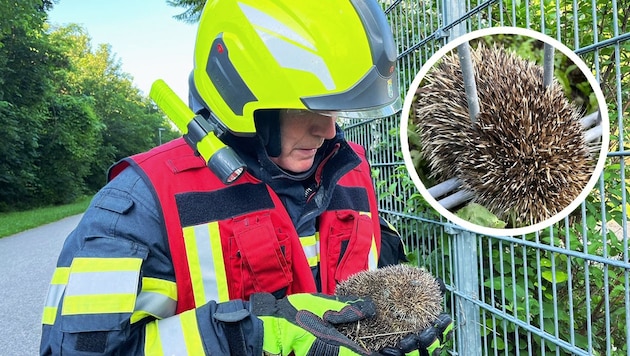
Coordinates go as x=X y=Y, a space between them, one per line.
x=564 y=290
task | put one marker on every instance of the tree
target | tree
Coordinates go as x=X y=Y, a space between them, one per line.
x=67 y=111
x=69 y=143
x=26 y=67
x=192 y=12
x=129 y=121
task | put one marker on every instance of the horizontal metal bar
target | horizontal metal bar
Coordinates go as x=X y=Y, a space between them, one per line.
x=590 y=120
x=424 y=41
x=564 y=251
x=604 y=43
x=361 y=122
x=619 y=154
x=511 y=239
x=455 y=199
x=416 y=217
x=439 y=32
x=523 y=325
x=593 y=134
x=386 y=164
x=469 y=14
x=518 y=241
x=443 y=188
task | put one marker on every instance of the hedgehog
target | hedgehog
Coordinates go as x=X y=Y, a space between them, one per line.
x=525 y=157
x=406 y=298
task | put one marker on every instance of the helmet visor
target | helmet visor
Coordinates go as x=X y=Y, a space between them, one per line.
x=375 y=112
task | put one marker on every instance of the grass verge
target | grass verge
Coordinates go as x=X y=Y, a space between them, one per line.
x=14 y=222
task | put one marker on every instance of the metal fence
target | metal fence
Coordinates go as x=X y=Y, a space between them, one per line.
x=564 y=290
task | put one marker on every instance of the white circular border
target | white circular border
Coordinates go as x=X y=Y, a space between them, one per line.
x=604 y=122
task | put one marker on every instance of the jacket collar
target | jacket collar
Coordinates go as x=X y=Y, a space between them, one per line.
x=306 y=194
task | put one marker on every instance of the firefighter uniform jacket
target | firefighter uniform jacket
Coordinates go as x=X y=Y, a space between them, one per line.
x=166 y=256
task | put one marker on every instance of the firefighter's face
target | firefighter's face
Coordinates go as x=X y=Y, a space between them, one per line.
x=302 y=133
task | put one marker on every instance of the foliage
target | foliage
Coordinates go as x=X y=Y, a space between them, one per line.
x=70 y=138
x=130 y=123
x=67 y=110
x=571 y=294
x=601 y=309
x=192 y=12
x=545 y=281
x=18 y=156
x=479 y=215
x=26 y=62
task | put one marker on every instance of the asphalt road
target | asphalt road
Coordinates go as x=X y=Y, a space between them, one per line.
x=27 y=261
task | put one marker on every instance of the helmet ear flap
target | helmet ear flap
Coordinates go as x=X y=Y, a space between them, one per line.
x=195 y=103
x=268 y=129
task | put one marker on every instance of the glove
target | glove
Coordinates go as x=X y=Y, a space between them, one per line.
x=304 y=323
x=428 y=342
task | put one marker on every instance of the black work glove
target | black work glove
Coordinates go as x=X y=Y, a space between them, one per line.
x=304 y=323
x=427 y=342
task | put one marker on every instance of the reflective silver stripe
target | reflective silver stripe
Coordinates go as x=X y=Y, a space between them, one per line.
x=156 y=304
x=288 y=55
x=311 y=251
x=265 y=21
x=206 y=263
x=55 y=292
x=310 y=245
x=373 y=257
x=111 y=282
x=172 y=336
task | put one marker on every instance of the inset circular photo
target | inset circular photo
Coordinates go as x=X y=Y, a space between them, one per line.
x=504 y=131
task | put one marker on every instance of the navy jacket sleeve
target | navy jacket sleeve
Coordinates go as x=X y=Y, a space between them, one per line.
x=113 y=291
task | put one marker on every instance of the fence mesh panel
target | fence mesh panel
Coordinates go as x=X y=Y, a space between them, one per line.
x=564 y=290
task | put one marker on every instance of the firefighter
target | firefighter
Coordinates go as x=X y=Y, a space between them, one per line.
x=170 y=260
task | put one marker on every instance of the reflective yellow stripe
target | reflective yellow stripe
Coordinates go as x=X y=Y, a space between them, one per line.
x=392 y=227
x=158 y=298
x=98 y=304
x=55 y=292
x=177 y=335
x=49 y=315
x=205 y=260
x=373 y=257
x=61 y=275
x=152 y=342
x=96 y=264
x=193 y=263
x=194 y=346
x=219 y=263
x=161 y=286
x=101 y=285
x=310 y=245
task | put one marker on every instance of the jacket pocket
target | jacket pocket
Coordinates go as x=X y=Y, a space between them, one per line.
x=350 y=242
x=262 y=255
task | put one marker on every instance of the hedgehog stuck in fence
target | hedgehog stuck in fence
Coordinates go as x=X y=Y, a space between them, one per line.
x=525 y=158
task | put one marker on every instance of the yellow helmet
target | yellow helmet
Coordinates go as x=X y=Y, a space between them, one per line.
x=324 y=56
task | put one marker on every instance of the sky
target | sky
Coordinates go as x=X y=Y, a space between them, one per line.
x=143 y=35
